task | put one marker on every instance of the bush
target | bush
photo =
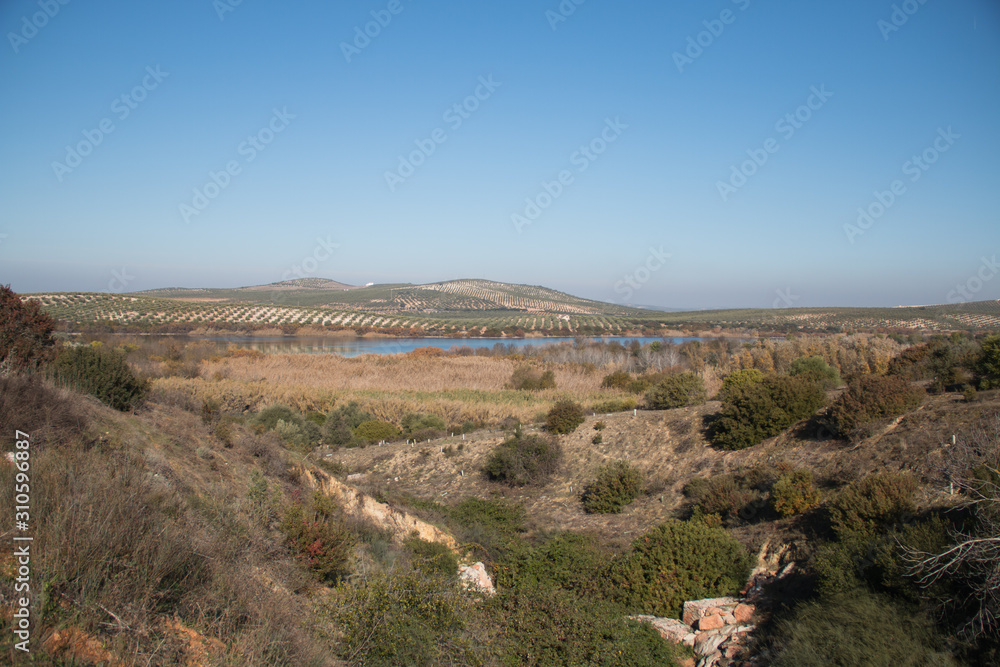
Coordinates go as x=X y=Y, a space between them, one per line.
x=101 y=373
x=600 y=426
x=617 y=380
x=522 y=460
x=432 y=557
x=858 y=628
x=676 y=391
x=568 y=560
x=740 y=378
x=872 y=397
x=338 y=429
x=754 y=412
x=564 y=417
x=403 y=618
x=531 y=379
x=26 y=340
x=546 y=625
x=872 y=504
x=597 y=439
x=816 y=370
x=319 y=537
x=679 y=561
x=724 y=496
x=614 y=405
x=988 y=365
x=414 y=423
x=616 y=486
x=794 y=493
x=269 y=417
x=374 y=431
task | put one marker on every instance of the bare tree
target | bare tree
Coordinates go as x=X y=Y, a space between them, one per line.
x=973 y=470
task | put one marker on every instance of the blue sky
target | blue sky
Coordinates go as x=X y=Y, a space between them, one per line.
x=712 y=154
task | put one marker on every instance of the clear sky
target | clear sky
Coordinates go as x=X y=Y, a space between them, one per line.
x=679 y=154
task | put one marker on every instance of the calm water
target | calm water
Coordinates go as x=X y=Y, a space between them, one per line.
x=352 y=347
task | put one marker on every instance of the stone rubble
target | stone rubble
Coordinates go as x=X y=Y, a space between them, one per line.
x=718 y=629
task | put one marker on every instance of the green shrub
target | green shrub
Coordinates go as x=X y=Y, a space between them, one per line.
x=872 y=504
x=816 y=370
x=522 y=460
x=568 y=560
x=564 y=417
x=268 y=418
x=616 y=486
x=374 y=430
x=319 y=537
x=338 y=429
x=432 y=557
x=414 y=422
x=642 y=384
x=597 y=439
x=857 y=628
x=404 y=618
x=532 y=379
x=679 y=561
x=794 y=493
x=677 y=391
x=614 y=405
x=600 y=426
x=723 y=495
x=617 y=380
x=101 y=373
x=872 y=397
x=754 y=412
x=740 y=378
x=546 y=625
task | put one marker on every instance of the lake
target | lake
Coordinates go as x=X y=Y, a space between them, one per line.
x=352 y=347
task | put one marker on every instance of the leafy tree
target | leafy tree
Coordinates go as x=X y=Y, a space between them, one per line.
x=25 y=334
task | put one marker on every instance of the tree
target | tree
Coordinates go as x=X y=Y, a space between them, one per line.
x=676 y=391
x=974 y=555
x=25 y=334
x=988 y=366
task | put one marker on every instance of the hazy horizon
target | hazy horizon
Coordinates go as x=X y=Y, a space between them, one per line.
x=681 y=155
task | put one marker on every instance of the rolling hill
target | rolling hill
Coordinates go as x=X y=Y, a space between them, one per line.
x=468 y=307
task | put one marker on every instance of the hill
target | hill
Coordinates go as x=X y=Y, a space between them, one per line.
x=470 y=307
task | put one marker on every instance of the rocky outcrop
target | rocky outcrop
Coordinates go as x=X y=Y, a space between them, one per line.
x=715 y=628
x=400 y=523
x=476 y=578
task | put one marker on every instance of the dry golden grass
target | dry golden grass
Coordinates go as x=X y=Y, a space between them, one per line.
x=388 y=373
